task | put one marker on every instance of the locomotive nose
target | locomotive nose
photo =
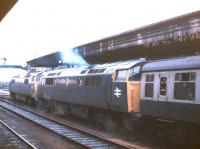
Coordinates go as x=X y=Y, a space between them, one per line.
x=119 y=96
x=125 y=96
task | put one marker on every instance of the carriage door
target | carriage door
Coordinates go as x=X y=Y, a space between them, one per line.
x=163 y=86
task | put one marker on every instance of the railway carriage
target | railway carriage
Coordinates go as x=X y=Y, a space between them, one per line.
x=170 y=89
x=170 y=99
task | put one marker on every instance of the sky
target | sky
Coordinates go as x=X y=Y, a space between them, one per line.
x=6 y=74
x=34 y=28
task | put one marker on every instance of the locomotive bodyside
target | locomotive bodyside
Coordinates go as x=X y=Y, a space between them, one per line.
x=95 y=88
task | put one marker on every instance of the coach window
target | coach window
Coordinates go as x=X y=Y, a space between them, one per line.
x=149 y=83
x=163 y=86
x=184 y=86
x=121 y=75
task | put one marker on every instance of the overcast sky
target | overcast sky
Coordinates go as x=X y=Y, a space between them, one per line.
x=37 y=27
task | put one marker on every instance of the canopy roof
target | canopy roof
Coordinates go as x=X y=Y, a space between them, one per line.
x=5 y=6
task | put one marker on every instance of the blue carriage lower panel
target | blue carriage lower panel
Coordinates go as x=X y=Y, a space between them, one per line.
x=186 y=112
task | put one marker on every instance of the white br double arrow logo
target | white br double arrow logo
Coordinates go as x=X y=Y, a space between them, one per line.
x=117 y=92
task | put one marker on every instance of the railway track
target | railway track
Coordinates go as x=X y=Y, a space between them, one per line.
x=68 y=132
x=11 y=139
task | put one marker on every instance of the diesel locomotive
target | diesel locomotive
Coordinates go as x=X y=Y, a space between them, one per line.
x=165 y=90
x=92 y=92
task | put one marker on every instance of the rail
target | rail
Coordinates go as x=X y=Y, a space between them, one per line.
x=71 y=133
x=15 y=139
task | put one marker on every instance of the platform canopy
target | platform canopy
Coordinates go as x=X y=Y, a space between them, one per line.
x=58 y=59
x=50 y=60
x=173 y=37
x=12 y=66
x=5 y=7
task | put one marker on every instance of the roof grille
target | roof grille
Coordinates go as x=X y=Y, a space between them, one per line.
x=51 y=74
x=96 y=70
x=83 y=72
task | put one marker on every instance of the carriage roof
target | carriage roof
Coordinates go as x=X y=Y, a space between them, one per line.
x=180 y=63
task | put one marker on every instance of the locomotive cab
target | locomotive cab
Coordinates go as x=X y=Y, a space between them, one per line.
x=22 y=87
x=126 y=90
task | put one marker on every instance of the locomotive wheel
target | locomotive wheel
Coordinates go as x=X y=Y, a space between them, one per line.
x=109 y=124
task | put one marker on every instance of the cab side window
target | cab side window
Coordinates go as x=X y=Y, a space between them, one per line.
x=121 y=75
x=135 y=74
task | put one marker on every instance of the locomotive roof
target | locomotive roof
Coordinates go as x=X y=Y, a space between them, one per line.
x=190 y=62
x=107 y=68
x=121 y=64
x=26 y=75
